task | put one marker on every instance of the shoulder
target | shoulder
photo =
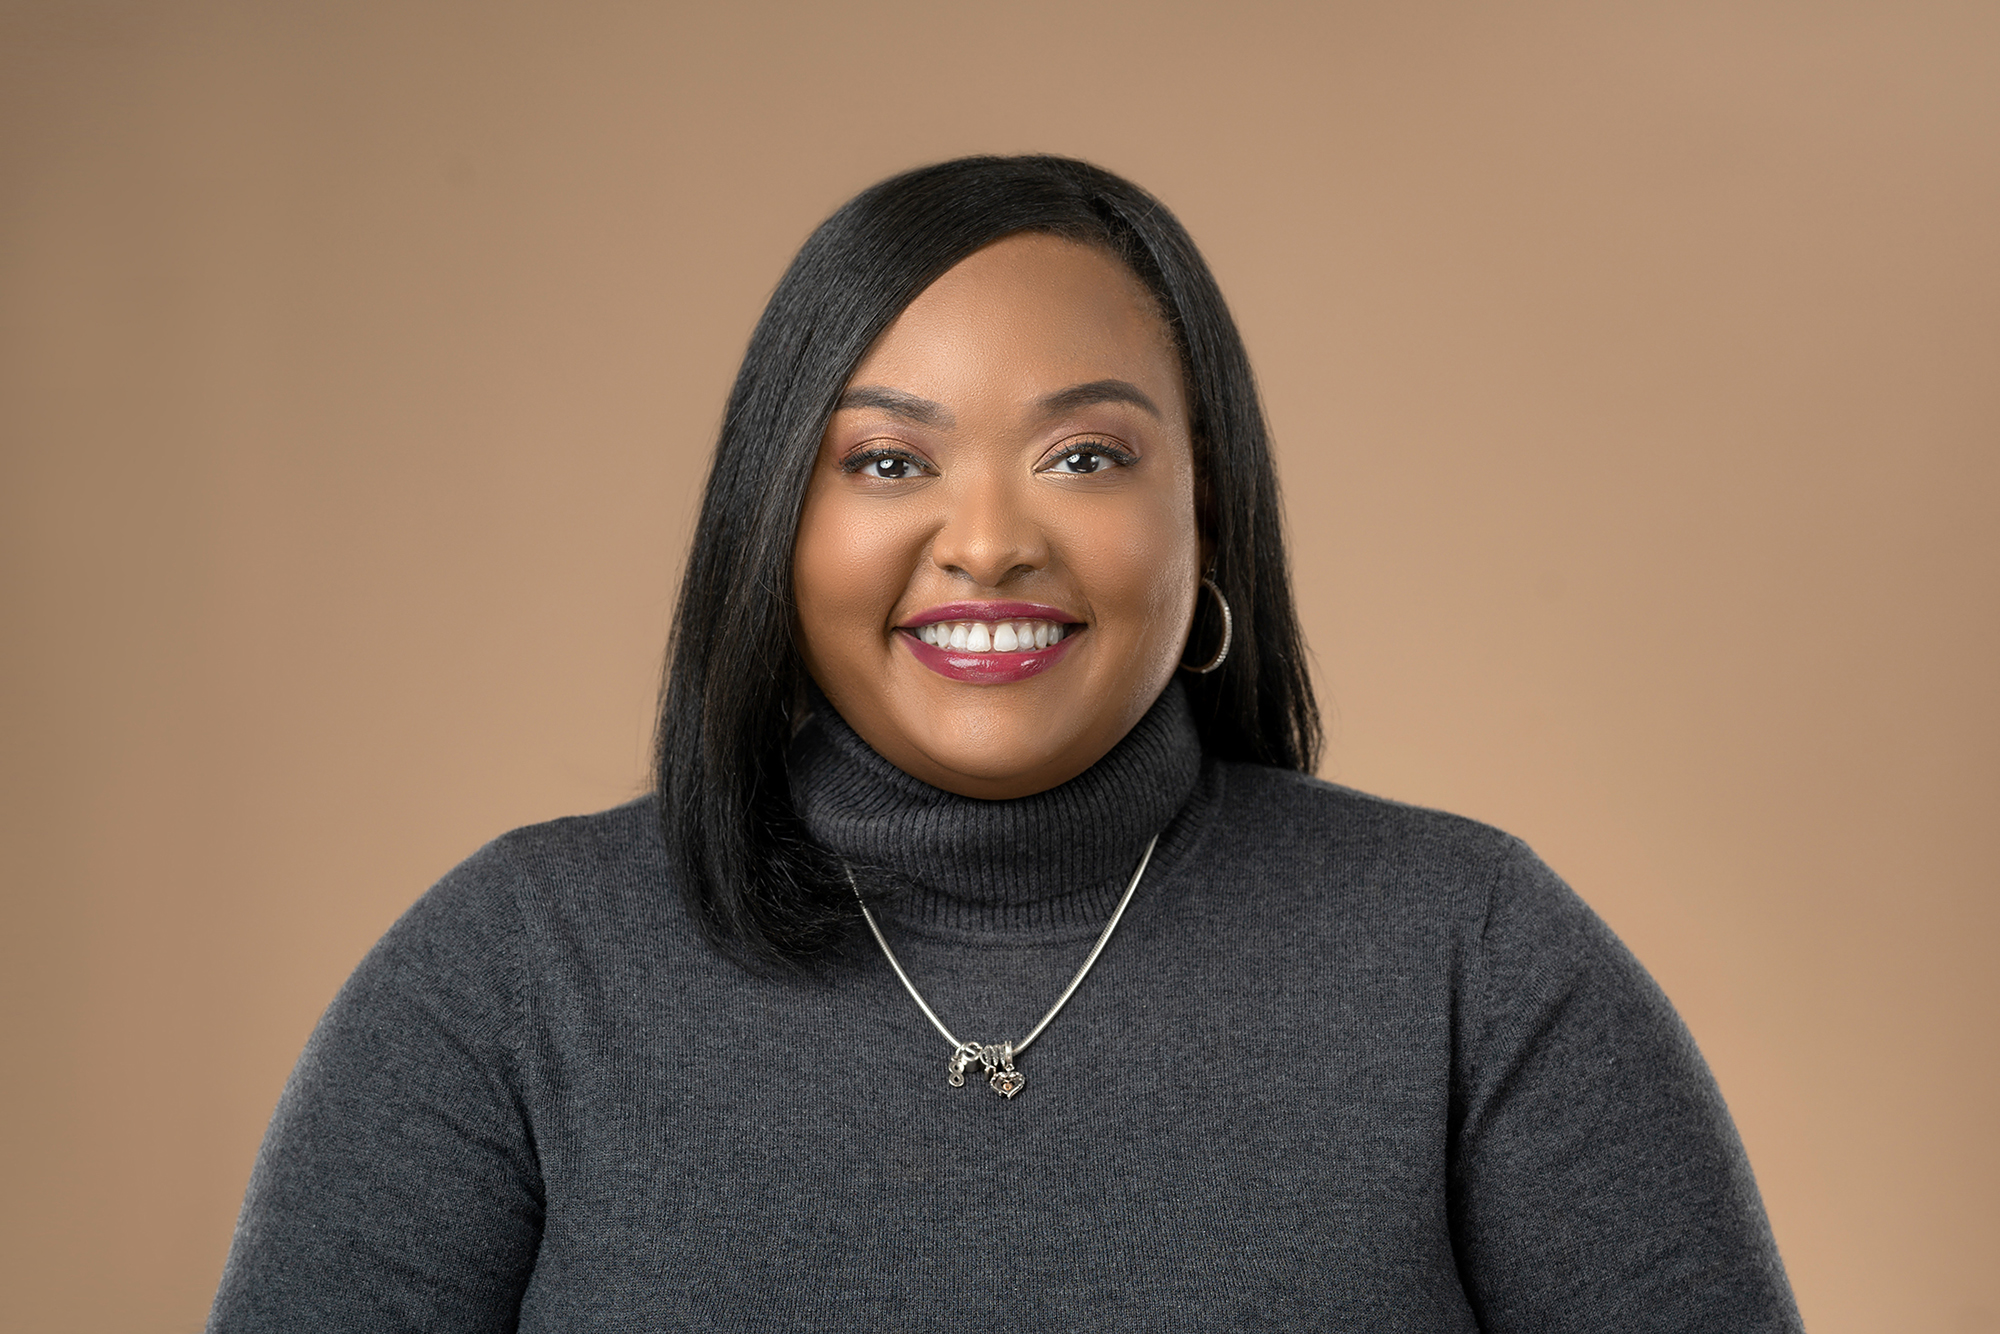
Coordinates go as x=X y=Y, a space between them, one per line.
x=538 y=927
x=1336 y=836
x=574 y=854
x=599 y=877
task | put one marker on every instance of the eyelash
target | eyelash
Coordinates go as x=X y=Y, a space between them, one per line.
x=1102 y=449
x=854 y=463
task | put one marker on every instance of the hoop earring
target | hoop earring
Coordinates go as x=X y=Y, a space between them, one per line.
x=1228 y=631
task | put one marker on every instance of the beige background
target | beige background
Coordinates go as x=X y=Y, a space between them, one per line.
x=1634 y=374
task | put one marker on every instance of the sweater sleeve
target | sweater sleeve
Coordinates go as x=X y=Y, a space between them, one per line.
x=1597 y=1181
x=397 y=1187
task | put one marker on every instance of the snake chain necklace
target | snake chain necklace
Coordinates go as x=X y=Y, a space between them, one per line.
x=997 y=1058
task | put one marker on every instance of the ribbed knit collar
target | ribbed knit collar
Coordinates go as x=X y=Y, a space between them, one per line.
x=1045 y=865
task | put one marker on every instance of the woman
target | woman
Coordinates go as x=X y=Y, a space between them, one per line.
x=987 y=627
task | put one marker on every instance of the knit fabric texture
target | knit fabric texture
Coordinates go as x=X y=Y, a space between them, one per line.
x=1346 y=1064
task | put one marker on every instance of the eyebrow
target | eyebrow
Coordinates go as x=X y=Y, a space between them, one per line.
x=896 y=403
x=1097 y=391
x=926 y=412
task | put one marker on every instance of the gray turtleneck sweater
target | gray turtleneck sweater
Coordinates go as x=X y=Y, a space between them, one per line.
x=1346 y=1064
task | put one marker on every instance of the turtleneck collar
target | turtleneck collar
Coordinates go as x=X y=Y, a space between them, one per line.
x=1047 y=864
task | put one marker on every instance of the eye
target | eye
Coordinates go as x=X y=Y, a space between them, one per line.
x=1082 y=460
x=884 y=465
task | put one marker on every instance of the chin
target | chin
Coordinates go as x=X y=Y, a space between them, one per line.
x=986 y=768
x=992 y=760
x=1030 y=748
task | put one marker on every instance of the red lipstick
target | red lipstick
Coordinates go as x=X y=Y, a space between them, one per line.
x=987 y=669
x=979 y=667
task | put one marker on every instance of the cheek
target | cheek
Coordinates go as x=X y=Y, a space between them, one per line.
x=1143 y=568
x=846 y=570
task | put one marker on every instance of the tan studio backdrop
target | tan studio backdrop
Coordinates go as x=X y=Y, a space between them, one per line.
x=1635 y=372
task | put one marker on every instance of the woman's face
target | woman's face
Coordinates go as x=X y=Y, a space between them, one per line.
x=998 y=559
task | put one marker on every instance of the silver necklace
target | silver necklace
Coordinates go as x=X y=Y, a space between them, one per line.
x=997 y=1058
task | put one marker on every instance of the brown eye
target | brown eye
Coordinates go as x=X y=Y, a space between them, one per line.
x=1087 y=459
x=883 y=466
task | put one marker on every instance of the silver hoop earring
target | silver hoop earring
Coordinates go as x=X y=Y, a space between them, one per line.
x=1228 y=631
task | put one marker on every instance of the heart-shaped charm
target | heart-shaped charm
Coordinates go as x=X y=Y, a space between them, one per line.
x=1007 y=1083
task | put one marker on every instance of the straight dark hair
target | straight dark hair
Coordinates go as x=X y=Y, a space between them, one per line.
x=761 y=891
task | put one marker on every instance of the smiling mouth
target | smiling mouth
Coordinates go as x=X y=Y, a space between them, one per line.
x=1009 y=636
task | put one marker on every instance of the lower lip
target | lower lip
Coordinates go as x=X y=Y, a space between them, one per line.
x=988 y=669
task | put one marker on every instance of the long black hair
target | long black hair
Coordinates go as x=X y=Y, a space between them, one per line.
x=759 y=888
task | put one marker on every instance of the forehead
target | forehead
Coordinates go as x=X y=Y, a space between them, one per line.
x=1021 y=316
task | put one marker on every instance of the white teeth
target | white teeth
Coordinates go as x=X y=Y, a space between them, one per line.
x=992 y=636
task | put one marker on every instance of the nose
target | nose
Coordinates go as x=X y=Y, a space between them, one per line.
x=988 y=534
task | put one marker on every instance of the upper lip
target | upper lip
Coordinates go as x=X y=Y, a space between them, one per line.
x=989 y=611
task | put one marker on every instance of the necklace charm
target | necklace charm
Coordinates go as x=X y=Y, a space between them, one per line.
x=995 y=1058
x=998 y=1060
